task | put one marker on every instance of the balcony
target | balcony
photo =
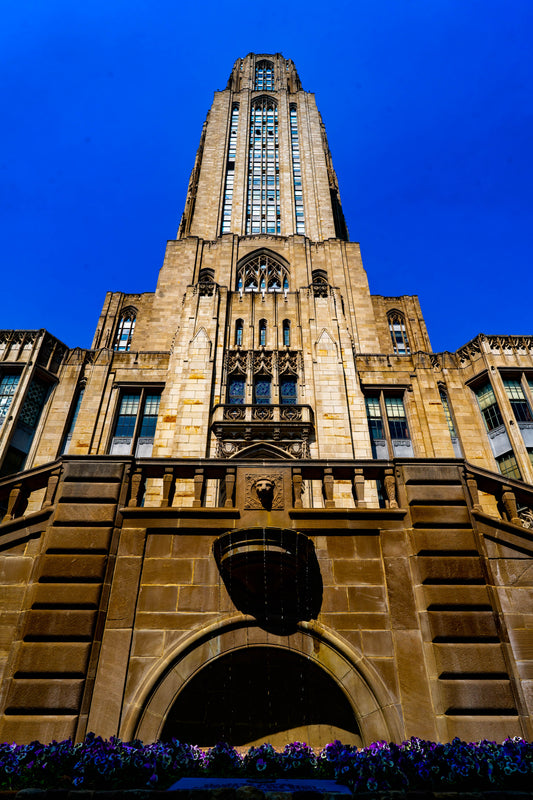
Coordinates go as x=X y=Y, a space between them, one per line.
x=287 y=426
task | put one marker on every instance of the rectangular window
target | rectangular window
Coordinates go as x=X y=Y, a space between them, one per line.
x=518 y=401
x=236 y=387
x=508 y=466
x=136 y=423
x=288 y=390
x=489 y=407
x=262 y=390
x=396 y=418
x=394 y=435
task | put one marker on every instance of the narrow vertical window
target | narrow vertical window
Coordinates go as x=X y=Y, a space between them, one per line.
x=396 y=418
x=68 y=436
x=378 y=439
x=263 y=210
x=8 y=385
x=400 y=342
x=296 y=171
x=517 y=398
x=286 y=333
x=262 y=332
x=238 y=332
x=230 y=171
x=125 y=329
x=450 y=423
x=264 y=75
x=489 y=407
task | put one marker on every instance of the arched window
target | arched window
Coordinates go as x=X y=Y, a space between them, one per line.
x=238 y=332
x=263 y=209
x=286 y=333
x=262 y=332
x=262 y=273
x=125 y=329
x=264 y=75
x=400 y=342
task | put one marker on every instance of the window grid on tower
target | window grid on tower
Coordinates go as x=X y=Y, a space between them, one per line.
x=297 y=171
x=264 y=75
x=263 y=213
x=230 y=171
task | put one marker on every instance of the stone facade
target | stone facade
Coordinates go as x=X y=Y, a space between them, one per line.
x=260 y=507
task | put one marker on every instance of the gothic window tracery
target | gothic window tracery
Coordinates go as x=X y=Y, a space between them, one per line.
x=262 y=273
x=263 y=210
x=264 y=75
x=125 y=329
x=398 y=332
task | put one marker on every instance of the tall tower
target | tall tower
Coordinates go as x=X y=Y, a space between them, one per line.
x=260 y=507
x=261 y=297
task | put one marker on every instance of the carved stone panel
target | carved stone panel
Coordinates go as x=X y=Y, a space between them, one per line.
x=264 y=490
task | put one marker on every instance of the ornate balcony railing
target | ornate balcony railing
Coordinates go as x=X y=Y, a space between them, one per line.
x=263 y=413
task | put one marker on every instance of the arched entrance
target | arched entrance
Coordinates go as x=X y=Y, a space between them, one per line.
x=261 y=694
x=311 y=661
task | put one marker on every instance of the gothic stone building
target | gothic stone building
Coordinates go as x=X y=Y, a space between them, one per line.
x=260 y=508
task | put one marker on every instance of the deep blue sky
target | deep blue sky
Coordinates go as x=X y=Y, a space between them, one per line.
x=427 y=104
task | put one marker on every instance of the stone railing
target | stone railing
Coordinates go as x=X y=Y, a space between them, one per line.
x=31 y=491
x=512 y=499
x=163 y=475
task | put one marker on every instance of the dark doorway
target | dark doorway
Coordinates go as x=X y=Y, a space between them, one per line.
x=261 y=694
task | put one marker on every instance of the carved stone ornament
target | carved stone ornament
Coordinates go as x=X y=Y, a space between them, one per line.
x=264 y=491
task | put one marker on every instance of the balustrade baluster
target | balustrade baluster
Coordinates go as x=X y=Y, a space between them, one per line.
x=136 y=484
x=389 y=481
x=51 y=487
x=229 y=481
x=168 y=483
x=17 y=501
x=359 y=488
x=297 y=487
x=473 y=490
x=198 y=487
x=328 y=484
x=509 y=504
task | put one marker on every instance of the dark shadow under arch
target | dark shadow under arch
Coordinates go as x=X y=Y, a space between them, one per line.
x=259 y=694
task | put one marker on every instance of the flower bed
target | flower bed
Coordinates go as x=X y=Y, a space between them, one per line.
x=414 y=765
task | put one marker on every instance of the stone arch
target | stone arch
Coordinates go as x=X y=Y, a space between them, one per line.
x=374 y=709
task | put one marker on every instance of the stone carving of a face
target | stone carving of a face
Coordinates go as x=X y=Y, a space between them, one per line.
x=265 y=491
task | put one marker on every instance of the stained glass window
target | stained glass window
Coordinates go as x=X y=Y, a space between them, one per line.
x=236 y=387
x=288 y=390
x=262 y=390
